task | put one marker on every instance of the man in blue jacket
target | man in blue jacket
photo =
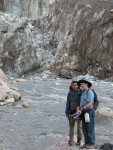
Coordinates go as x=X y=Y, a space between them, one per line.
x=86 y=105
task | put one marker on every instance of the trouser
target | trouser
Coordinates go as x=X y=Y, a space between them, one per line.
x=71 y=128
x=89 y=128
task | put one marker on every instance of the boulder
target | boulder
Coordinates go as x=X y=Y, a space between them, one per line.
x=19 y=106
x=21 y=80
x=14 y=88
x=7 y=94
x=25 y=105
x=16 y=95
x=3 y=103
x=11 y=100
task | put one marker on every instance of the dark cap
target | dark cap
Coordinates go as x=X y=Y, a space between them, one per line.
x=85 y=81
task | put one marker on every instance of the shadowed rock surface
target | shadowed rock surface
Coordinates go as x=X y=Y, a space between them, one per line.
x=84 y=31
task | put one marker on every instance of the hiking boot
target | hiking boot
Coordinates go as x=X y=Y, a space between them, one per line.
x=90 y=146
x=83 y=146
x=71 y=143
x=78 y=143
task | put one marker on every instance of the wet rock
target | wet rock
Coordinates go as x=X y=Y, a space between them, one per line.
x=11 y=100
x=3 y=103
x=11 y=78
x=21 y=80
x=19 y=106
x=25 y=105
x=15 y=89
x=8 y=94
x=16 y=95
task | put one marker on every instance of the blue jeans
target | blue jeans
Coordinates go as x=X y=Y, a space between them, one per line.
x=89 y=128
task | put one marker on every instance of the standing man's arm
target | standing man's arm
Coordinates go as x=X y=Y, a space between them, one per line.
x=67 y=104
x=90 y=99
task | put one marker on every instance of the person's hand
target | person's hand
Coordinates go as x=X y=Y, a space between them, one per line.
x=82 y=108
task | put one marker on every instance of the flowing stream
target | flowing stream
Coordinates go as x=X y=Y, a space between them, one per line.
x=44 y=123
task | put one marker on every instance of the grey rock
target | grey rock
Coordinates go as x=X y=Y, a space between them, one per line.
x=28 y=8
x=21 y=80
x=11 y=100
x=7 y=94
x=70 y=37
x=25 y=105
x=3 y=27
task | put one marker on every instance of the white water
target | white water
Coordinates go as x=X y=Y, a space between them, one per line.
x=44 y=123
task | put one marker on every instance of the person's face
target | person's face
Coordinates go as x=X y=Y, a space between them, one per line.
x=74 y=86
x=83 y=85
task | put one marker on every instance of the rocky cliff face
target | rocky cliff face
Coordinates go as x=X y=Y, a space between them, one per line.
x=84 y=30
x=29 y=8
x=23 y=46
x=71 y=37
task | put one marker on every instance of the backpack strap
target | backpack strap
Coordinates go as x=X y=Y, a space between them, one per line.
x=92 y=91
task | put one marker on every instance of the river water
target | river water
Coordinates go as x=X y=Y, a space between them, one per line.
x=44 y=123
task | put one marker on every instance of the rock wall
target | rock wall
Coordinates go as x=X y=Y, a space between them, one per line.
x=71 y=37
x=23 y=46
x=84 y=30
x=30 y=8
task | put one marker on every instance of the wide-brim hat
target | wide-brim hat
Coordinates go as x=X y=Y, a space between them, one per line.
x=84 y=81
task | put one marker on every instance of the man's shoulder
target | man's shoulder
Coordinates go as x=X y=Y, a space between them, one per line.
x=90 y=92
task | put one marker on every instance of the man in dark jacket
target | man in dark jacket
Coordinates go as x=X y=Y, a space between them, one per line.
x=73 y=101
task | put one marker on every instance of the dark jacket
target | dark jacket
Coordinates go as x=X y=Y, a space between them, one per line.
x=79 y=92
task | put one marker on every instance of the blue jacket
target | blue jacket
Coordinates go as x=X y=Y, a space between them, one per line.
x=68 y=100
